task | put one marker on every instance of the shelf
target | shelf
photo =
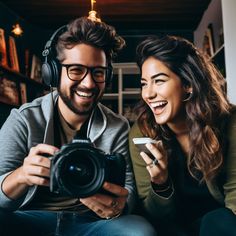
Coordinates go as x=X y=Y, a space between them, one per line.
x=218 y=51
x=126 y=89
x=129 y=68
x=132 y=91
x=131 y=94
x=18 y=76
x=17 y=89
x=110 y=96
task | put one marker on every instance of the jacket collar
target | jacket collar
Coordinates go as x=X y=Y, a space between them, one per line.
x=48 y=109
x=97 y=123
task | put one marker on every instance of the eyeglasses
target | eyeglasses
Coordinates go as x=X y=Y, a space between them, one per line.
x=78 y=72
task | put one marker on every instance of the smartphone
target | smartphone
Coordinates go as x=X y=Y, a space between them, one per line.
x=140 y=143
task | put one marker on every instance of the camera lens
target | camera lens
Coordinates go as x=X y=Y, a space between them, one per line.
x=79 y=169
x=81 y=172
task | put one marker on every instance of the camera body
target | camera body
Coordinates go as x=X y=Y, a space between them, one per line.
x=79 y=169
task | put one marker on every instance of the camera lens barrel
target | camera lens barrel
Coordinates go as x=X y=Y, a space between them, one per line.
x=80 y=169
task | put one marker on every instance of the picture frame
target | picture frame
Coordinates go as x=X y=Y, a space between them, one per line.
x=9 y=92
x=36 y=73
x=23 y=93
x=220 y=37
x=3 y=49
x=14 y=63
x=208 y=46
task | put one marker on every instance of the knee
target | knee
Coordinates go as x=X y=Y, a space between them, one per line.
x=138 y=226
x=218 y=222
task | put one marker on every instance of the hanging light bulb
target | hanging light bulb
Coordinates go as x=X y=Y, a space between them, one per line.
x=93 y=14
x=17 y=30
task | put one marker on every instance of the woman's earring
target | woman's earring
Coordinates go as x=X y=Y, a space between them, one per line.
x=189 y=97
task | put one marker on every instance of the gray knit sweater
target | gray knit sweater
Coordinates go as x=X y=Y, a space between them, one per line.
x=32 y=124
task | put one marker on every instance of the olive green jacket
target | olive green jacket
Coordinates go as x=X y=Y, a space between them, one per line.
x=156 y=206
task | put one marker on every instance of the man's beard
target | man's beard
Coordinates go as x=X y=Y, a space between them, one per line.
x=79 y=110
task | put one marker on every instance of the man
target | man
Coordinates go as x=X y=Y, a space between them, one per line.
x=38 y=129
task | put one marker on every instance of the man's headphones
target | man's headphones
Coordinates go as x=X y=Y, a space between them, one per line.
x=51 y=67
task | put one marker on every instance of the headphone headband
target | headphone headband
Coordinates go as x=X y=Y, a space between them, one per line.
x=51 y=68
x=53 y=39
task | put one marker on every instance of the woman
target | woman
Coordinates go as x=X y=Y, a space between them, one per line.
x=190 y=188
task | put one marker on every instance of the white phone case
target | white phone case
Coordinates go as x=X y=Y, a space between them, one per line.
x=140 y=143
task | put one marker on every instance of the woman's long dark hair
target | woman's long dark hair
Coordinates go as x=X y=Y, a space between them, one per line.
x=206 y=109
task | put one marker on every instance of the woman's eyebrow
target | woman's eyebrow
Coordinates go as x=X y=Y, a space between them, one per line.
x=156 y=75
x=159 y=74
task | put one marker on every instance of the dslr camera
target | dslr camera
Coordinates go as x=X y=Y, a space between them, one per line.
x=79 y=169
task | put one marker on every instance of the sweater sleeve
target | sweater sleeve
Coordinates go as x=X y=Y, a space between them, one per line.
x=154 y=205
x=13 y=150
x=230 y=185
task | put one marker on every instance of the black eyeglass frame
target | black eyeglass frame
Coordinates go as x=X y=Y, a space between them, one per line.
x=90 y=69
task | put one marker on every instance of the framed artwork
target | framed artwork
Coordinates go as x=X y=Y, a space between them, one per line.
x=3 y=50
x=9 y=92
x=208 y=46
x=220 y=37
x=13 y=54
x=36 y=73
x=23 y=93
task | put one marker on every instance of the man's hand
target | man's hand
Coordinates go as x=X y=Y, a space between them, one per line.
x=34 y=171
x=107 y=206
x=36 y=167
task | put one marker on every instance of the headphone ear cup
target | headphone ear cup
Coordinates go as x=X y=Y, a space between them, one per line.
x=51 y=68
x=51 y=73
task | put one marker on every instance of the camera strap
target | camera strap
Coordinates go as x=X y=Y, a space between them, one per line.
x=57 y=129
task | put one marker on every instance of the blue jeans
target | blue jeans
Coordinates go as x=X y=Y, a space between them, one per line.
x=220 y=222
x=44 y=223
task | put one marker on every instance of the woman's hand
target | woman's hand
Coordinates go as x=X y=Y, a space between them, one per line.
x=157 y=168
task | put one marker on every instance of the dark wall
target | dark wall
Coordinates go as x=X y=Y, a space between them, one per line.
x=33 y=38
x=133 y=38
